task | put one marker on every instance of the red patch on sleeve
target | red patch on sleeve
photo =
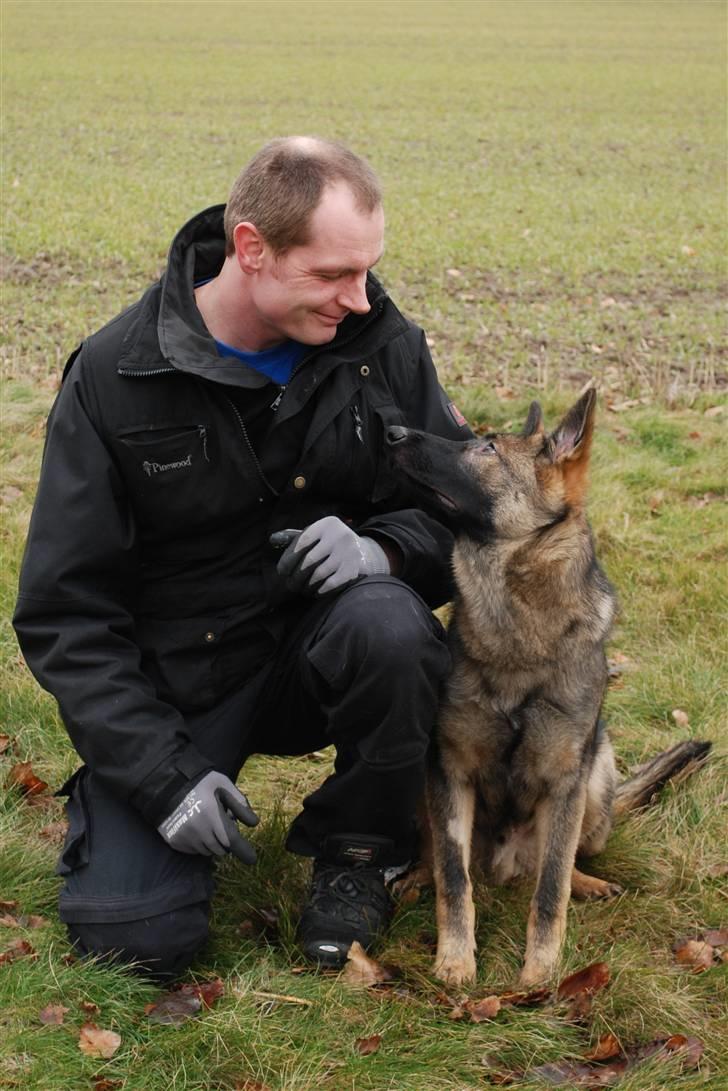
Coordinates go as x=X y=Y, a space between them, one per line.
x=456 y=414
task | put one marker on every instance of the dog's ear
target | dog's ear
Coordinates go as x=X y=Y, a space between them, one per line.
x=570 y=445
x=571 y=441
x=534 y=422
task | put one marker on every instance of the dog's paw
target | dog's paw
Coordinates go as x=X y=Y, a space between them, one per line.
x=589 y=888
x=536 y=973
x=411 y=883
x=455 y=971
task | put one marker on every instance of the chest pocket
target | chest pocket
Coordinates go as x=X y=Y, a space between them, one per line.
x=170 y=474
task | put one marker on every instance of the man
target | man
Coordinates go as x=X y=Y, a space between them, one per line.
x=240 y=406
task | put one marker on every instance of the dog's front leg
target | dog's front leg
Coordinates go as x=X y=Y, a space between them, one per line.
x=450 y=802
x=558 y=824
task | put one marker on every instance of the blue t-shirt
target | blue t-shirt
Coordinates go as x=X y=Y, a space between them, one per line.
x=277 y=363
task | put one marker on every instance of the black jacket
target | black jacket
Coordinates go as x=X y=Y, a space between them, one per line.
x=148 y=587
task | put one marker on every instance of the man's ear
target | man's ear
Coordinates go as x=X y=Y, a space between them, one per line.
x=249 y=246
x=534 y=422
x=571 y=441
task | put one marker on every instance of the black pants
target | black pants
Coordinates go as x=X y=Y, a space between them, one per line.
x=363 y=673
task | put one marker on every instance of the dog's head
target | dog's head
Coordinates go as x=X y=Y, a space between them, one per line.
x=502 y=485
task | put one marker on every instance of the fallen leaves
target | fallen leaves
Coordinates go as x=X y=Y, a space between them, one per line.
x=702 y=953
x=364 y=971
x=680 y=717
x=19 y=948
x=480 y=1010
x=182 y=1002
x=53 y=1015
x=365 y=1046
x=96 y=1042
x=22 y=777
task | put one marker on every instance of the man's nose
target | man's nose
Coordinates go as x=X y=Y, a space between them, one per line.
x=353 y=295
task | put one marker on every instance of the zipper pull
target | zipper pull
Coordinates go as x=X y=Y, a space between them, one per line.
x=202 y=431
x=357 y=423
x=277 y=400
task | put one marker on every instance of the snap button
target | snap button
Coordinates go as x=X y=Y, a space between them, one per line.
x=209 y=637
x=299 y=482
x=364 y=370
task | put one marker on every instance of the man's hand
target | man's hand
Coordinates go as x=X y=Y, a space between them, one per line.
x=202 y=822
x=327 y=556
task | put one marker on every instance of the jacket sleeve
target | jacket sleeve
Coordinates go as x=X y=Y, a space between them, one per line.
x=72 y=620
x=424 y=542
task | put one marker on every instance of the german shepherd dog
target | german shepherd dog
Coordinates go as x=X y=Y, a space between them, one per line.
x=521 y=770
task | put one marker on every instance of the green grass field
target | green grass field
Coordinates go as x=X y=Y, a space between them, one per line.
x=555 y=177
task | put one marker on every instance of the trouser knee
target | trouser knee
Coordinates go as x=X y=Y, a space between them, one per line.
x=380 y=633
x=161 y=947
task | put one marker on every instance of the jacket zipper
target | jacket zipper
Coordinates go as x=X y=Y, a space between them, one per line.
x=275 y=404
x=133 y=374
x=249 y=445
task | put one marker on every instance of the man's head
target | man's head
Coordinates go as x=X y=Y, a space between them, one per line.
x=304 y=224
x=283 y=184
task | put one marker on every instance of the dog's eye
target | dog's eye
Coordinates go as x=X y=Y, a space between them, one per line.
x=487 y=448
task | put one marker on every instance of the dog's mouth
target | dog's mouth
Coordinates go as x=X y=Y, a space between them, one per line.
x=445 y=500
x=428 y=492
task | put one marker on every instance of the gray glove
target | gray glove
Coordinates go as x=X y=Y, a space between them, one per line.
x=327 y=556
x=202 y=823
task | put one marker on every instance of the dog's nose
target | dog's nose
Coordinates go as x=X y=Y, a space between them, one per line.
x=396 y=433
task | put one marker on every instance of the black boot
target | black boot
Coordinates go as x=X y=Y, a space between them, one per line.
x=345 y=904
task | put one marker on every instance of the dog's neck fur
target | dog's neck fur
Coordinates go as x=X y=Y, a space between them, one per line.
x=544 y=576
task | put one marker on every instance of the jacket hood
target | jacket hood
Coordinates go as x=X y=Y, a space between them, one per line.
x=184 y=342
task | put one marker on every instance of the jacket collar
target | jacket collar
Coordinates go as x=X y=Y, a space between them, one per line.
x=181 y=339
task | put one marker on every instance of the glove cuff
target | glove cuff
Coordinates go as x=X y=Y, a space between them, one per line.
x=374 y=560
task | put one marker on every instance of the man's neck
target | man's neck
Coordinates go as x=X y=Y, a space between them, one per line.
x=222 y=304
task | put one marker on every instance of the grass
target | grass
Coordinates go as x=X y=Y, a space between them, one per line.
x=555 y=178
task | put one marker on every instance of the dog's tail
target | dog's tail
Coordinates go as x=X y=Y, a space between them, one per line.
x=647 y=779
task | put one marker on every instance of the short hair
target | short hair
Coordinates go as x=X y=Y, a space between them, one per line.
x=282 y=185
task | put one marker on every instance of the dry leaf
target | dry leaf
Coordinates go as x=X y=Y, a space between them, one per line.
x=480 y=1010
x=89 y=1008
x=717 y=937
x=25 y=920
x=577 y=1074
x=8 y=907
x=103 y=1083
x=19 y=948
x=360 y=969
x=55 y=832
x=589 y=980
x=4 y=743
x=714 y=411
x=21 y=776
x=680 y=717
x=694 y=953
x=606 y=1047
x=97 y=1042
x=525 y=1000
x=365 y=1046
x=184 y=1001
x=209 y=991
x=52 y=1015
x=656 y=501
